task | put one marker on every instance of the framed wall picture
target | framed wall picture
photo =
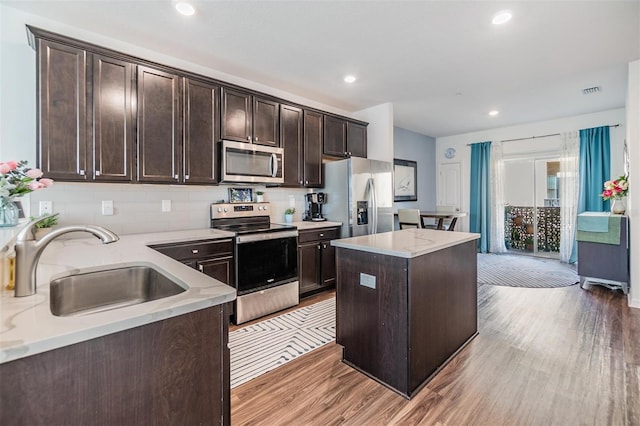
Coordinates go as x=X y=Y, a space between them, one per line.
x=405 y=180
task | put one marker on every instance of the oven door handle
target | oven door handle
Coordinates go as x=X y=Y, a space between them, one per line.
x=243 y=239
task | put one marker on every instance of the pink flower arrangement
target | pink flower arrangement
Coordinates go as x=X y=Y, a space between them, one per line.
x=615 y=189
x=17 y=179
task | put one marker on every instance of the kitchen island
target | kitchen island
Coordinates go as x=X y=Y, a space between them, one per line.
x=165 y=361
x=406 y=303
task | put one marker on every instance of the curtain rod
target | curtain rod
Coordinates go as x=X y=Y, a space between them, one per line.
x=537 y=137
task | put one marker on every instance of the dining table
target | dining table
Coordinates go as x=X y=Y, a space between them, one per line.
x=440 y=216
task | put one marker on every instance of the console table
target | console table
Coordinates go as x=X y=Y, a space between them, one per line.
x=603 y=256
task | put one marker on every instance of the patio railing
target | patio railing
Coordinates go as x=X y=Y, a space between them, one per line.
x=519 y=228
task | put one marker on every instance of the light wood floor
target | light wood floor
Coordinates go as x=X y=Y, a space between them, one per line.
x=562 y=356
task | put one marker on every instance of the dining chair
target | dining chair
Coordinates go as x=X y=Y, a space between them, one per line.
x=448 y=224
x=409 y=218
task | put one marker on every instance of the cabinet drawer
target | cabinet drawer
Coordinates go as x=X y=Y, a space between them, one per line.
x=196 y=249
x=318 y=234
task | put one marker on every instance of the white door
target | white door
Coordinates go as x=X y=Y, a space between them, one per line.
x=449 y=186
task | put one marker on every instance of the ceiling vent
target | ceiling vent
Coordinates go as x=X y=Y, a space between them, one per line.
x=591 y=90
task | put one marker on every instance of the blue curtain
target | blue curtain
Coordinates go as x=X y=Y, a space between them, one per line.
x=594 y=170
x=594 y=163
x=480 y=190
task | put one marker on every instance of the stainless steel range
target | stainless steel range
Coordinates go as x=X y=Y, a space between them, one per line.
x=266 y=259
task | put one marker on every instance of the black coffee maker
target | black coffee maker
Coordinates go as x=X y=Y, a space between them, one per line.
x=314 y=206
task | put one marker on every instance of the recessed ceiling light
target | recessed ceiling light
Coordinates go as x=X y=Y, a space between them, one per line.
x=494 y=113
x=501 y=17
x=350 y=79
x=185 y=8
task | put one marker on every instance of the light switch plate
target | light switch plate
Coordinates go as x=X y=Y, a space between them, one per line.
x=166 y=206
x=107 y=207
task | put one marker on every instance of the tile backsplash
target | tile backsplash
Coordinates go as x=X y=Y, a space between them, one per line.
x=138 y=208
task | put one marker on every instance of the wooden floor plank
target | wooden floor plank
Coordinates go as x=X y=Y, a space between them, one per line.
x=543 y=357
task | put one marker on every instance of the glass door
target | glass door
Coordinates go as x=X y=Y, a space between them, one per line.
x=532 y=207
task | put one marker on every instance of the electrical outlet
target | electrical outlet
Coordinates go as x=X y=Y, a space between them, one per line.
x=166 y=206
x=46 y=207
x=107 y=207
x=292 y=201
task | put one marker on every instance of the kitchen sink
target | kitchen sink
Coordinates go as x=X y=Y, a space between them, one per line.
x=92 y=292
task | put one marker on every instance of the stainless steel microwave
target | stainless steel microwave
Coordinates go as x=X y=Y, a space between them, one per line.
x=248 y=162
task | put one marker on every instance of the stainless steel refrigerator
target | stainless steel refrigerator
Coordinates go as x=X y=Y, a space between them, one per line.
x=360 y=195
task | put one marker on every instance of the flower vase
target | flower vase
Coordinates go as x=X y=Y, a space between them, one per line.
x=9 y=213
x=618 y=205
x=288 y=218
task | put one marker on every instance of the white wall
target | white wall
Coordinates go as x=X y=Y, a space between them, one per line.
x=379 y=131
x=137 y=206
x=633 y=142
x=408 y=145
x=542 y=145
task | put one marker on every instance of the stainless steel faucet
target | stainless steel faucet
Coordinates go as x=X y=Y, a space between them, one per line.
x=28 y=251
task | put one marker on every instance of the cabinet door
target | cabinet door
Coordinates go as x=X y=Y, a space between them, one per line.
x=221 y=269
x=335 y=136
x=266 y=117
x=291 y=141
x=62 y=90
x=308 y=267
x=158 y=126
x=356 y=140
x=328 y=268
x=112 y=119
x=312 y=149
x=201 y=132
x=236 y=115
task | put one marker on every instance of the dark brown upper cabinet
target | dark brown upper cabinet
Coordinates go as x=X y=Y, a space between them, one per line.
x=62 y=97
x=113 y=131
x=250 y=118
x=291 y=141
x=201 y=132
x=335 y=136
x=313 y=149
x=158 y=126
x=356 y=139
x=343 y=138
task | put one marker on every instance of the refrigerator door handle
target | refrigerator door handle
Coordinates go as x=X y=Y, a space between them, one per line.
x=374 y=205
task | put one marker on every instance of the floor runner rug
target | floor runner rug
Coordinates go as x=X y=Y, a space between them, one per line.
x=261 y=347
x=514 y=270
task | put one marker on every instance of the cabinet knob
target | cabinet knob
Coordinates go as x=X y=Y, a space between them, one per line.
x=200 y=268
x=301 y=182
x=81 y=172
x=97 y=172
x=175 y=177
x=306 y=182
x=324 y=246
x=321 y=234
x=194 y=251
x=249 y=138
x=319 y=247
x=255 y=139
x=186 y=177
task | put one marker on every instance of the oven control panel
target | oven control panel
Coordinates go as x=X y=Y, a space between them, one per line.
x=230 y=210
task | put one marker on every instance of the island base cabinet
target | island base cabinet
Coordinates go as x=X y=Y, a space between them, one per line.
x=171 y=372
x=400 y=320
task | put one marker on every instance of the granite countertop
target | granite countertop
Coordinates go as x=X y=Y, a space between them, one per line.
x=29 y=328
x=407 y=243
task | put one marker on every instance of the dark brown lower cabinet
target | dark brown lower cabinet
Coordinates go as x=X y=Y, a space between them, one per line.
x=212 y=257
x=316 y=260
x=401 y=320
x=170 y=372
